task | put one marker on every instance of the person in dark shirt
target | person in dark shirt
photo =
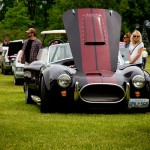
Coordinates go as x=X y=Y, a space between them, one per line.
x=30 y=48
x=5 y=43
x=126 y=39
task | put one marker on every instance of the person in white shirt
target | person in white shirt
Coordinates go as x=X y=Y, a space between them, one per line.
x=144 y=57
x=135 y=48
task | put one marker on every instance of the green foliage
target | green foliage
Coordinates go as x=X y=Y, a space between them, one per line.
x=47 y=14
x=15 y=23
x=6 y=5
x=55 y=13
x=16 y=18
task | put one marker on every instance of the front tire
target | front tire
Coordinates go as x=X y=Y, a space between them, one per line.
x=2 y=70
x=44 y=97
x=5 y=72
x=28 y=93
x=16 y=81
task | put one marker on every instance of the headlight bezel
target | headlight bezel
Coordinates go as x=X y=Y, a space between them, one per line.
x=27 y=74
x=138 y=81
x=64 y=80
x=19 y=69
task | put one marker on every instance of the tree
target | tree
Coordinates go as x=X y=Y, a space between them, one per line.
x=6 y=4
x=47 y=14
x=38 y=11
x=16 y=19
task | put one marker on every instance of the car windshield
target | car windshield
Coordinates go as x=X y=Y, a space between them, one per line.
x=14 y=47
x=123 y=54
x=59 y=52
x=62 y=51
x=124 y=51
x=120 y=59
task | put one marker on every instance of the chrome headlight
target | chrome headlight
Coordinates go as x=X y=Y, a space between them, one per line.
x=138 y=81
x=64 y=80
x=27 y=74
x=19 y=69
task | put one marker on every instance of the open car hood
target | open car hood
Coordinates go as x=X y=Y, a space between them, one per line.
x=93 y=35
x=15 y=47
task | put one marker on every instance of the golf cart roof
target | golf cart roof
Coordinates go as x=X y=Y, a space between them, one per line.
x=54 y=32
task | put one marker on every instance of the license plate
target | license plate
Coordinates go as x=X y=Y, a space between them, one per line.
x=138 y=103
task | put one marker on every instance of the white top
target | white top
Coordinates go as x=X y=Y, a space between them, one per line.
x=54 y=32
x=144 y=53
x=135 y=51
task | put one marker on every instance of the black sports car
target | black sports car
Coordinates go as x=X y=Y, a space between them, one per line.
x=85 y=73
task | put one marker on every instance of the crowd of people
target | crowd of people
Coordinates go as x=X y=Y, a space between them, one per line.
x=137 y=52
x=133 y=42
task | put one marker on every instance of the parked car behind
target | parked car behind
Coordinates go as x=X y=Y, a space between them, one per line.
x=4 y=49
x=18 y=70
x=9 y=56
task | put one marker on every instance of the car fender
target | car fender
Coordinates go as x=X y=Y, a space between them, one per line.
x=130 y=71
x=147 y=76
x=36 y=65
x=54 y=71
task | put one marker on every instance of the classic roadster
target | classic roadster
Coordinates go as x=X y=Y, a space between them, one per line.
x=85 y=73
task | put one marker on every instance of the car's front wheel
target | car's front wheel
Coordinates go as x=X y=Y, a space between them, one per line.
x=4 y=71
x=28 y=93
x=16 y=81
x=45 y=97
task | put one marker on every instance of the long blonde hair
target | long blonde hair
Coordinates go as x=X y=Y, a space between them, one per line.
x=132 y=38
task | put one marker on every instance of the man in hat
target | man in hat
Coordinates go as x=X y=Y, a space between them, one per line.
x=30 y=48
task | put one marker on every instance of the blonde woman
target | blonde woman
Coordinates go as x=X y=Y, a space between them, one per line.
x=136 y=47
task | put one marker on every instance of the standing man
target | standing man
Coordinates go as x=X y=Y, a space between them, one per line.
x=30 y=48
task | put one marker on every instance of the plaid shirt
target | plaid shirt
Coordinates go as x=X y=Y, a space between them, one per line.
x=36 y=45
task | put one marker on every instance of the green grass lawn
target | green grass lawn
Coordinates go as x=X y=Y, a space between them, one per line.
x=148 y=64
x=23 y=127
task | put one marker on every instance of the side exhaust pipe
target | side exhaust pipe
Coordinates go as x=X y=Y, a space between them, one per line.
x=36 y=99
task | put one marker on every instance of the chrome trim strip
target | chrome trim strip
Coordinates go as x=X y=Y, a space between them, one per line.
x=103 y=84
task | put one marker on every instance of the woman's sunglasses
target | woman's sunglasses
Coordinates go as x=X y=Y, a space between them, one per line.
x=136 y=36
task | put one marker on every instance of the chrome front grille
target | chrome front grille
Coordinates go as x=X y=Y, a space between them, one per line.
x=102 y=93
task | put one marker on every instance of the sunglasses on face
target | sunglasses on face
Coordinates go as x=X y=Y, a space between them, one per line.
x=125 y=37
x=136 y=36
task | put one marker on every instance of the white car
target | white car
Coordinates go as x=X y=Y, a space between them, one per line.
x=18 y=70
x=9 y=55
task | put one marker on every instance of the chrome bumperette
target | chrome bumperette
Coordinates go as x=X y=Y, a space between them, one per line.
x=127 y=91
x=76 y=91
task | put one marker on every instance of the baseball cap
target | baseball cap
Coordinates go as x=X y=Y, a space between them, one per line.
x=30 y=30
